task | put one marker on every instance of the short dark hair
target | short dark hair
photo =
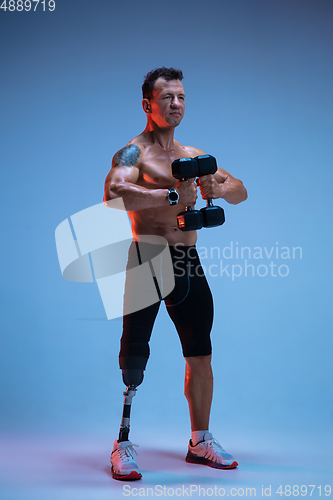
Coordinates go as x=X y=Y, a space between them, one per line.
x=151 y=77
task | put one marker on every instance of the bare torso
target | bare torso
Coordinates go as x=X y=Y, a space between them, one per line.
x=155 y=173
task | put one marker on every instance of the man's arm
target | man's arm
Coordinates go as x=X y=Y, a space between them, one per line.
x=122 y=178
x=222 y=185
x=219 y=185
x=121 y=182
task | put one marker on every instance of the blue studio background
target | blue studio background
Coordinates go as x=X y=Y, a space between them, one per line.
x=258 y=79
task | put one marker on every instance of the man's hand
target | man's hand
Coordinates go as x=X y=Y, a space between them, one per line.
x=187 y=191
x=209 y=187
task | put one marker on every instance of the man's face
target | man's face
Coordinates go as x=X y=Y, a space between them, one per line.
x=167 y=103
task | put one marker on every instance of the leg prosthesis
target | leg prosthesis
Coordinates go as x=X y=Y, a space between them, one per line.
x=132 y=378
x=124 y=466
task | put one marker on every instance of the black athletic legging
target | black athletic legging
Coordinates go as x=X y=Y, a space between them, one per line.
x=189 y=305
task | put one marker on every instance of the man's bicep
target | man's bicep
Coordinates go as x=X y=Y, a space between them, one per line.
x=125 y=168
x=123 y=174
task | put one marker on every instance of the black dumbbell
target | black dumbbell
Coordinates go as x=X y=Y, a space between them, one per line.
x=184 y=169
x=213 y=215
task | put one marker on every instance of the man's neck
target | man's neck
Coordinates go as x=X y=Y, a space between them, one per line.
x=164 y=137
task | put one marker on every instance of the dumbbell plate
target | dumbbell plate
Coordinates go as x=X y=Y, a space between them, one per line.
x=213 y=216
x=190 y=220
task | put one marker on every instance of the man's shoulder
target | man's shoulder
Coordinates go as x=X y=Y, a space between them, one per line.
x=130 y=154
x=192 y=152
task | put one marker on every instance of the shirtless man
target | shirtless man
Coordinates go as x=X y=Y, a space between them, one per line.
x=141 y=175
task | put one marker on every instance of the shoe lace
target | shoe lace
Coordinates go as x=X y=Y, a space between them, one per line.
x=127 y=454
x=213 y=446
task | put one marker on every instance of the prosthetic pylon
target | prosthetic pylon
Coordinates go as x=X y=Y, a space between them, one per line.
x=125 y=421
x=132 y=378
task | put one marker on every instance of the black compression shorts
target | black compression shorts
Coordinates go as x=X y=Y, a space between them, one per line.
x=189 y=305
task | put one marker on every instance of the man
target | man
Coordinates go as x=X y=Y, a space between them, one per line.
x=141 y=175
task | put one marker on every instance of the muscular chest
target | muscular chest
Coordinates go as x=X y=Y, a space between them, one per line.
x=155 y=171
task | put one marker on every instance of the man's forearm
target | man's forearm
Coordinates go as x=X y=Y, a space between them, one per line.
x=233 y=191
x=137 y=197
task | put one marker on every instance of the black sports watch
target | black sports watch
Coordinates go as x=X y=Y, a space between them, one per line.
x=173 y=197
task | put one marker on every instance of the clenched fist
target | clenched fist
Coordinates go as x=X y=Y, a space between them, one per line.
x=187 y=191
x=209 y=187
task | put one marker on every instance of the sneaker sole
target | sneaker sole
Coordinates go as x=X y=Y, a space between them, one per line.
x=132 y=476
x=205 y=461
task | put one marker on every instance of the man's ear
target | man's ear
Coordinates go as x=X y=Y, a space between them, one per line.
x=146 y=106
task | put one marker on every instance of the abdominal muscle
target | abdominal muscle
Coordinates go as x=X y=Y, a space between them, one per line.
x=161 y=222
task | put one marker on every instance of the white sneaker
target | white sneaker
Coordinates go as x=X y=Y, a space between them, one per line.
x=124 y=466
x=210 y=452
